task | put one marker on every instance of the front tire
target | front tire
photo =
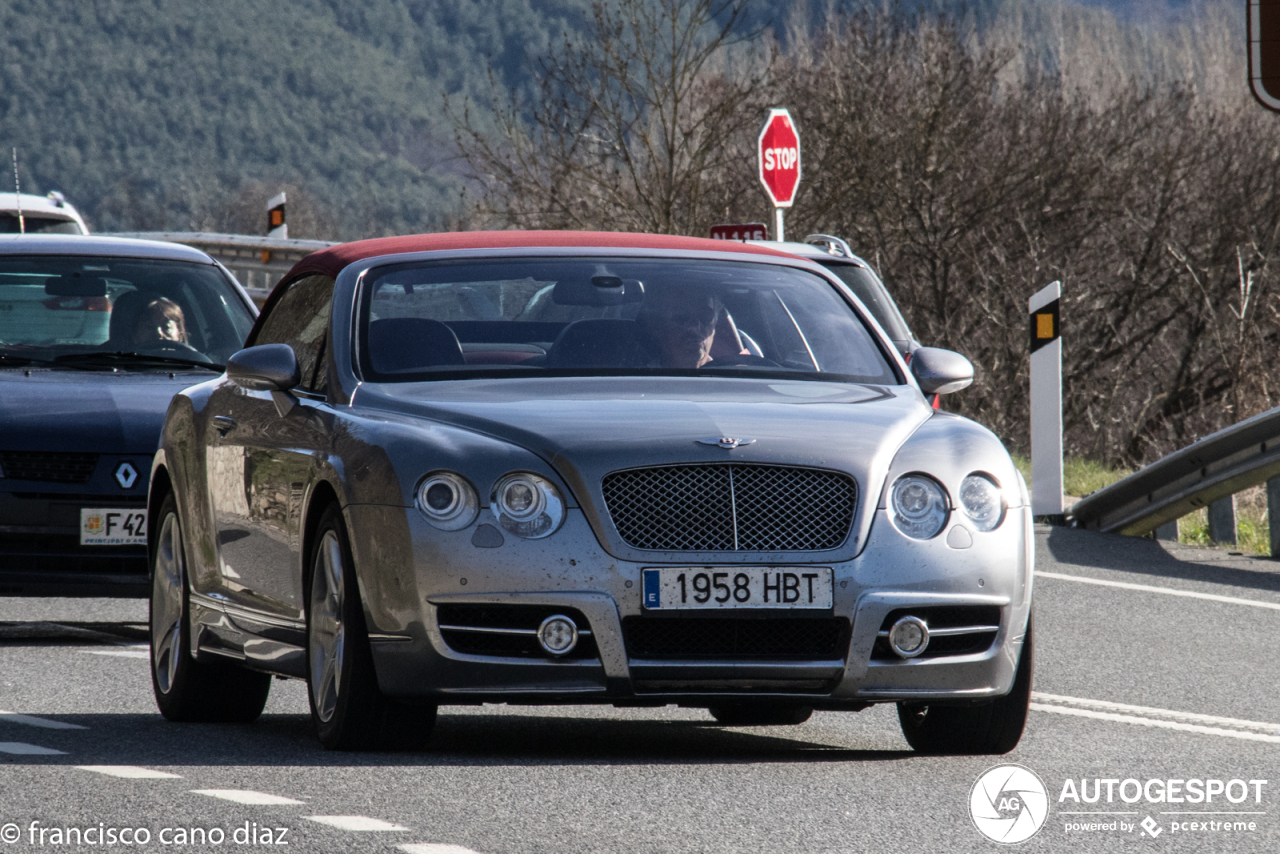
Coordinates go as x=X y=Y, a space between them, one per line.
x=347 y=707
x=186 y=689
x=991 y=728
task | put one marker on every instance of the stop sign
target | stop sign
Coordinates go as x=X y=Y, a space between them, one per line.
x=780 y=158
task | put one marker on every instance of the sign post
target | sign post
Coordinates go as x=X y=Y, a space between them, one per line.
x=1264 y=52
x=779 y=150
x=1046 y=403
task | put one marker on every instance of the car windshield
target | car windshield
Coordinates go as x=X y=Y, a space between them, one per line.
x=610 y=316
x=72 y=308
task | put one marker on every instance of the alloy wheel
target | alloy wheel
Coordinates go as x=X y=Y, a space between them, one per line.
x=166 y=603
x=327 y=631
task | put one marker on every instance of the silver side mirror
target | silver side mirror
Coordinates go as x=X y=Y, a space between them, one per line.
x=267 y=367
x=941 y=371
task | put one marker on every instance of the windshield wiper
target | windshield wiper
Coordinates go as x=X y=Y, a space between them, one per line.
x=18 y=360
x=121 y=357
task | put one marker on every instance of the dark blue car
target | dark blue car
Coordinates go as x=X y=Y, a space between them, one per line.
x=96 y=336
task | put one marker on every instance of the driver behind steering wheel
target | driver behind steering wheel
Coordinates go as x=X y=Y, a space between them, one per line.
x=688 y=328
x=160 y=321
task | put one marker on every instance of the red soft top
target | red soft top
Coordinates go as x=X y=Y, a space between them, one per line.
x=331 y=261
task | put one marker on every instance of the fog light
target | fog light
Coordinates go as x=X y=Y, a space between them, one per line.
x=558 y=635
x=909 y=637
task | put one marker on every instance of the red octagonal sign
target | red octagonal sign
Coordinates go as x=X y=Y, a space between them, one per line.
x=780 y=158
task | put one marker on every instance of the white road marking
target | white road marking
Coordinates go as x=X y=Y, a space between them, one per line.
x=31 y=720
x=130 y=772
x=119 y=653
x=1161 y=718
x=1168 y=591
x=1187 y=717
x=433 y=848
x=355 y=822
x=19 y=748
x=246 y=796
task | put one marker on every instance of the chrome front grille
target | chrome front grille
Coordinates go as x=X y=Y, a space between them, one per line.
x=731 y=507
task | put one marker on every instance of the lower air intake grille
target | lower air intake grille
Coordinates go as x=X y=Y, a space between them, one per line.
x=731 y=507
x=507 y=630
x=49 y=467
x=801 y=639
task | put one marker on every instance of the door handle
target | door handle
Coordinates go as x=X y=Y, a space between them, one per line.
x=224 y=424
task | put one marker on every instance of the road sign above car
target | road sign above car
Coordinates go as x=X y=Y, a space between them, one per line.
x=740 y=231
x=780 y=158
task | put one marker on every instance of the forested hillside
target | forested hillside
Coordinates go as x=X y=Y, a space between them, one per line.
x=184 y=114
x=154 y=113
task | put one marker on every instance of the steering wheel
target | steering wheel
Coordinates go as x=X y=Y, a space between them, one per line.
x=742 y=361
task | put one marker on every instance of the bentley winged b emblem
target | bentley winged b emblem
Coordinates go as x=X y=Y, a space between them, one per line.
x=725 y=442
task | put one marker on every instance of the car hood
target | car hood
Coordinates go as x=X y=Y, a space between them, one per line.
x=588 y=427
x=101 y=411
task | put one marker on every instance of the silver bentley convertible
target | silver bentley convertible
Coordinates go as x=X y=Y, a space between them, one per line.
x=565 y=468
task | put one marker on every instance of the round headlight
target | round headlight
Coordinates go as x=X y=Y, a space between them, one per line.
x=981 y=501
x=919 y=506
x=447 y=501
x=527 y=505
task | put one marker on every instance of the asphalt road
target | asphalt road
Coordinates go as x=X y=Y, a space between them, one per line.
x=1153 y=664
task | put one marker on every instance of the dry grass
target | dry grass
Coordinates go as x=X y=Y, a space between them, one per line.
x=1080 y=476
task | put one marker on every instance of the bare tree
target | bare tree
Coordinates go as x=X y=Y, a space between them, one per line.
x=638 y=122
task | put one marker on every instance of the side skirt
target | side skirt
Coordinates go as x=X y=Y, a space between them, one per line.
x=257 y=641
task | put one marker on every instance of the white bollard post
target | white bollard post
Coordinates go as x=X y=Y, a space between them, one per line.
x=1046 y=403
x=277 y=226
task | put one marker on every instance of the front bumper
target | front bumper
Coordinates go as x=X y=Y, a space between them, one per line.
x=422 y=571
x=40 y=550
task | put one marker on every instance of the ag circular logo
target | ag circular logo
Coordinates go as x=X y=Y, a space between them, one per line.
x=1009 y=804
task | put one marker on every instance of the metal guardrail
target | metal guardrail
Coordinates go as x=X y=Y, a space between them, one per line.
x=258 y=262
x=1218 y=466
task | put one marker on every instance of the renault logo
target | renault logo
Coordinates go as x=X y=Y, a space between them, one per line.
x=126 y=475
x=725 y=442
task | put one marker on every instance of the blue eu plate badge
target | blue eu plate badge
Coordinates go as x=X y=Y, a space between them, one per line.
x=652 y=589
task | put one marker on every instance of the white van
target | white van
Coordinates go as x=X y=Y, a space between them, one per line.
x=51 y=214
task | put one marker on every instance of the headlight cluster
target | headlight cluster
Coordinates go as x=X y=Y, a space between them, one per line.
x=919 y=506
x=448 y=501
x=525 y=504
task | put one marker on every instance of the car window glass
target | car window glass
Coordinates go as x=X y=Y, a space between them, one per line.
x=9 y=224
x=53 y=306
x=869 y=289
x=591 y=315
x=300 y=319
